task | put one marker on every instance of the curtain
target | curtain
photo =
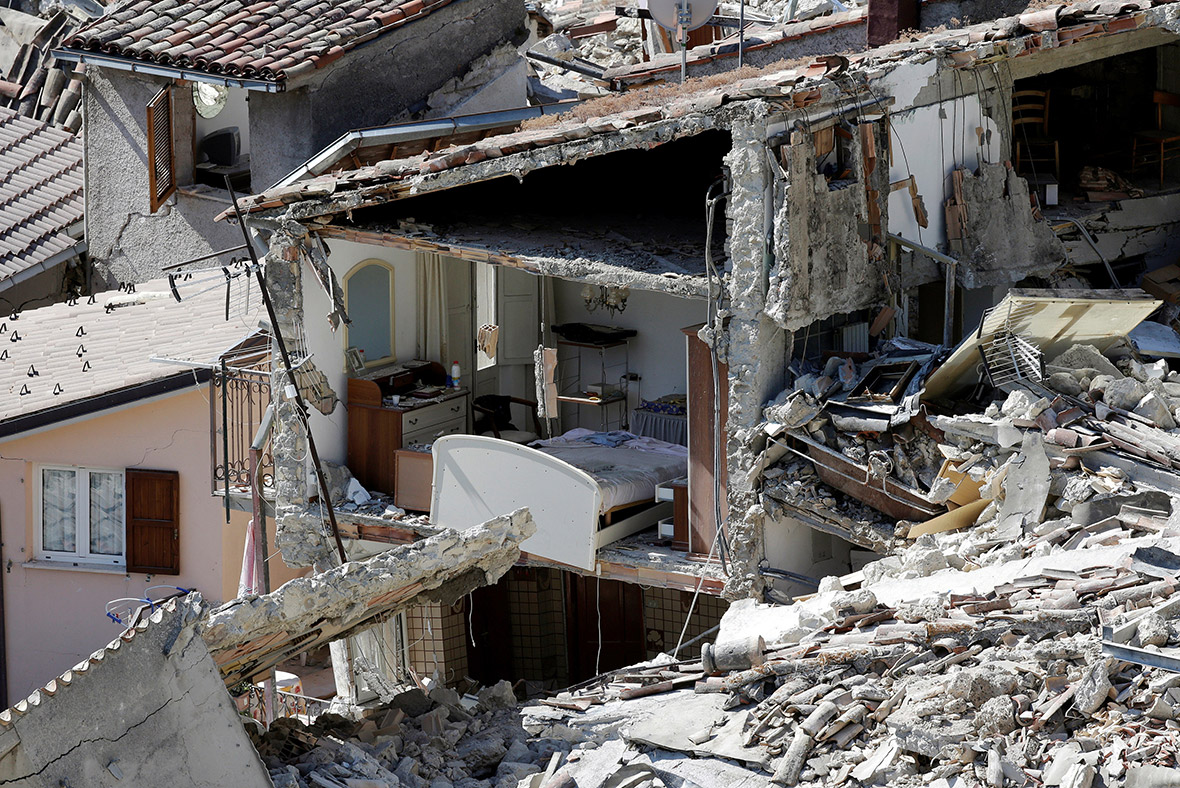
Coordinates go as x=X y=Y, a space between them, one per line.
x=432 y=309
x=106 y=513
x=59 y=491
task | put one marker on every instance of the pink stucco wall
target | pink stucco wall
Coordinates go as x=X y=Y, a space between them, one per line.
x=54 y=617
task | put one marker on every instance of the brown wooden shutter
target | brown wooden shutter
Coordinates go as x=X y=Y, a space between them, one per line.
x=161 y=160
x=153 y=522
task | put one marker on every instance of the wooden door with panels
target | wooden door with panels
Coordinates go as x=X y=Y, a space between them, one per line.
x=153 y=521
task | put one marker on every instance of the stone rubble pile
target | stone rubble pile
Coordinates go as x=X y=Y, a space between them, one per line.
x=438 y=740
x=1010 y=685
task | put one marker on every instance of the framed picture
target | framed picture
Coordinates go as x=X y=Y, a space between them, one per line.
x=356 y=359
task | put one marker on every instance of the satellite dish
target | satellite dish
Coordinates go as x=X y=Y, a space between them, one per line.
x=209 y=99
x=666 y=13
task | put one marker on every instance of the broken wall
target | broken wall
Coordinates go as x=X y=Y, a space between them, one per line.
x=751 y=344
x=824 y=264
x=1004 y=242
x=150 y=709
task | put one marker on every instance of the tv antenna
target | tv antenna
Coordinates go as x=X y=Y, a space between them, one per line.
x=680 y=16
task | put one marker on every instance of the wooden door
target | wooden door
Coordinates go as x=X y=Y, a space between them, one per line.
x=701 y=439
x=153 y=521
x=611 y=607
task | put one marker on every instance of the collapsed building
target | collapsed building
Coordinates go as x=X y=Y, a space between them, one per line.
x=823 y=202
x=881 y=345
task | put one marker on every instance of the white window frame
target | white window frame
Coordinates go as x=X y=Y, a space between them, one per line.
x=392 y=357
x=82 y=554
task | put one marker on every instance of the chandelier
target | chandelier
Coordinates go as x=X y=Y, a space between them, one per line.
x=612 y=299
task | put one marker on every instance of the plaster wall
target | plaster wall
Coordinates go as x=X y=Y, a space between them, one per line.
x=327 y=346
x=374 y=83
x=127 y=242
x=657 y=352
x=933 y=131
x=55 y=616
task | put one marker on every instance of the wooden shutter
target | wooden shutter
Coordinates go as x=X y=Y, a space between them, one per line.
x=153 y=522
x=161 y=159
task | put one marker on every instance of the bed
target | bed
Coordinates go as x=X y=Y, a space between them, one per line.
x=571 y=484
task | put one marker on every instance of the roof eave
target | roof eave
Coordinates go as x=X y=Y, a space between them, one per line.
x=156 y=70
x=93 y=406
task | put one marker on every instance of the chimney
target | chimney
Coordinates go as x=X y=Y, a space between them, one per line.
x=887 y=18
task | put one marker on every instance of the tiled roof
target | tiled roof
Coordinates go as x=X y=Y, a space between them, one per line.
x=36 y=84
x=80 y=349
x=270 y=40
x=40 y=192
x=798 y=87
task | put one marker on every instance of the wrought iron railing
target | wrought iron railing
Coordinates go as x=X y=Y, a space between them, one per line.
x=237 y=402
x=287 y=704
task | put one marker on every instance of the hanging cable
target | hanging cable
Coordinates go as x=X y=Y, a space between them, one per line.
x=714 y=323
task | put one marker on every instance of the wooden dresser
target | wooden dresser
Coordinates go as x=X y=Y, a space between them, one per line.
x=376 y=431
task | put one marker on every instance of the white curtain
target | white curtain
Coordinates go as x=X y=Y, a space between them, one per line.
x=106 y=513
x=432 y=308
x=59 y=493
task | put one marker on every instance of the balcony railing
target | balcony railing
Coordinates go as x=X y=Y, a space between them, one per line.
x=238 y=400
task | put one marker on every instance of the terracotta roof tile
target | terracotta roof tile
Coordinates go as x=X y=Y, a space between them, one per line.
x=40 y=192
x=273 y=40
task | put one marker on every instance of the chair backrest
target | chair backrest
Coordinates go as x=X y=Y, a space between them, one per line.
x=1031 y=107
x=1163 y=98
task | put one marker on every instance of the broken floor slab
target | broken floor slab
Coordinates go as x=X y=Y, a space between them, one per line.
x=254 y=633
x=150 y=709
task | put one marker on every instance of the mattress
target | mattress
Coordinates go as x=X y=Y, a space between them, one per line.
x=627 y=473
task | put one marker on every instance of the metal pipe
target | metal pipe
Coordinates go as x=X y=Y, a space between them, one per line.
x=1094 y=245
x=408 y=132
x=225 y=431
x=568 y=66
x=325 y=498
x=741 y=33
x=948 y=305
x=203 y=257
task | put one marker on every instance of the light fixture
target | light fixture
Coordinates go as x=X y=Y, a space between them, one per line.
x=209 y=99
x=613 y=299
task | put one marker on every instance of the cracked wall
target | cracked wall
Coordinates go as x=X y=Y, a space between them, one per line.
x=127 y=242
x=1004 y=242
x=150 y=709
x=302 y=532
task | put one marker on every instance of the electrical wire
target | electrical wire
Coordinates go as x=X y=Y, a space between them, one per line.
x=713 y=307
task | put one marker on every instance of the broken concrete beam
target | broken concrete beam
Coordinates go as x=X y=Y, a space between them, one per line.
x=251 y=634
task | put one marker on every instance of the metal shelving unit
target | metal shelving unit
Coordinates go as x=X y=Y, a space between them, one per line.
x=610 y=361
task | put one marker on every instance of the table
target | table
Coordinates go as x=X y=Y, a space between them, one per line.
x=666 y=427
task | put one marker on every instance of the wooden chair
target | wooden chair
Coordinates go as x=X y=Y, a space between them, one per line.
x=1030 y=132
x=1164 y=143
x=496 y=408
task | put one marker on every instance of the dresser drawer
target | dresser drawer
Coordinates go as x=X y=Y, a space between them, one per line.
x=421 y=437
x=438 y=413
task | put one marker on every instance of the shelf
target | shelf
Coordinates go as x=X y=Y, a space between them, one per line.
x=593 y=345
x=589 y=401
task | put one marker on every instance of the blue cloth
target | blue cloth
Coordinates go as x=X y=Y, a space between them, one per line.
x=613 y=439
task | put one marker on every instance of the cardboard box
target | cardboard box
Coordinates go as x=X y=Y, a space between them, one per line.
x=968 y=489
x=1163 y=283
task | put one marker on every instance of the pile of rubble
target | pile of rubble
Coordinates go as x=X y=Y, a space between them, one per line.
x=415 y=741
x=1016 y=685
